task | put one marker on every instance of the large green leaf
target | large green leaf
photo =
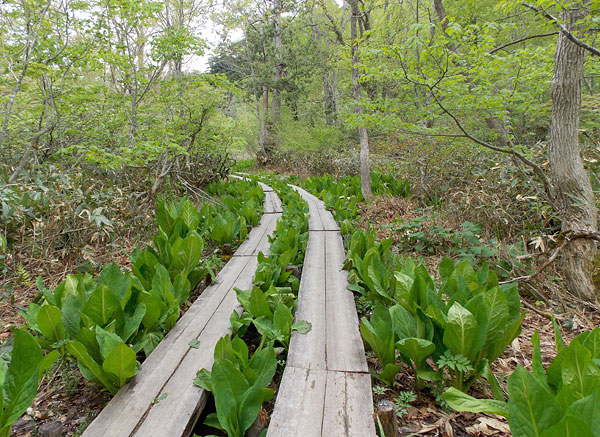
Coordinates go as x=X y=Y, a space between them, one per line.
x=264 y=363
x=258 y=305
x=79 y=351
x=460 y=401
x=121 y=364
x=497 y=314
x=117 y=282
x=187 y=253
x=49 y=322
x=190 y=215
x=107 y=341
x=133 y=321
x=103 y=306
x=417 y=349
x=229 y=386
x=403 y=322
x=569 y=426
x=21 y=378
x=461 y=330
x=532 y=408
x=71 y=318
x=580 y=376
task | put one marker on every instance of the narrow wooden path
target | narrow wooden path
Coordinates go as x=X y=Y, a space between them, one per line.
x=162 y=400
x=326 y=386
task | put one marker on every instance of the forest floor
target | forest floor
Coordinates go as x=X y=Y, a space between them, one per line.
x=65 y=396
x=425 y=413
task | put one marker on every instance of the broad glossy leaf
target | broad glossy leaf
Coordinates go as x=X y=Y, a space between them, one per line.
x=229 y=386
x=461 y=330
x=403 y=323
x=264 y=363
x=497 y=313
x=133 y=321
x=117 y=282
x=459 y=401
x=283 y=319
x=103 y=306
x=78 y=350
x=71 y=317
x=120 y=364
x=49 y=321
x=532 y=408
x=21 y=377
x=258 y=305
x=417 y=349
x=203 y=380
x=580 y=376
x=569 y=426
x=107 y=341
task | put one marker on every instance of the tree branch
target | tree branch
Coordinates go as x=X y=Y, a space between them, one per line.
x=502 y=47
x=563 y=29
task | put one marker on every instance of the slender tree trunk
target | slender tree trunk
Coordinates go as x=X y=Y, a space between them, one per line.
x=365 y=171
x=570 y=179
x=278 y=69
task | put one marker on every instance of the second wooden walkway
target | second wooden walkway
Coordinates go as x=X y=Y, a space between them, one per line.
x=326 y=385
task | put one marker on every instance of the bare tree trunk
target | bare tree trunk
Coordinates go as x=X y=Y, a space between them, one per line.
x=570 y=179
x=276 y=100
x=365 y=171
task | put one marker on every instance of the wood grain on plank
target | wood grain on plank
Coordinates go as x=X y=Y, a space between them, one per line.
x=345 y=349
x=258 y=240
x=299 y=406
x=348 y=409
x=308 y=350
x=323 y=403
x=330 y=359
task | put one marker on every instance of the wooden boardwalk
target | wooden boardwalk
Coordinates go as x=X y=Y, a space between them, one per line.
x=161 y=399
x=326 y=385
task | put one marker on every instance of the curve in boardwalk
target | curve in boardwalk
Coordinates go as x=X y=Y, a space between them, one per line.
x=161 y=399
x=326 y=386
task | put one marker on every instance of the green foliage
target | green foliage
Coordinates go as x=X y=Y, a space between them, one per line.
x=271 y=303
x=239 y=384
x=342 y=195
x=104 y=323
x=561 y=400
x=19 y=379
x=463 y=333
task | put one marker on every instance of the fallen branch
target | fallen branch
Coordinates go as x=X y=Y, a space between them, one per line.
x=567 y=238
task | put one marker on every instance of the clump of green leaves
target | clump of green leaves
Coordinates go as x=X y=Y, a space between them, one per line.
x=238 y=383
x=104 y=323
x=463 y=326
x=563 y=399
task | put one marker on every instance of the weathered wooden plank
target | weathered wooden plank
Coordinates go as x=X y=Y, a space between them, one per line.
x=272 y=203
x=345 y=349
x=299 y=406
x=183 y=399
x=122 y=414
x=258 y=240
x=320 y=219
x=348 y=409
x=308 y=350
x=323 y=403
x=332 y=353
x=206 y=320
